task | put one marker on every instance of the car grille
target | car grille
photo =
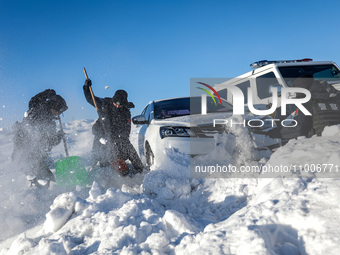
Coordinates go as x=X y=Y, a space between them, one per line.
x=208 y=129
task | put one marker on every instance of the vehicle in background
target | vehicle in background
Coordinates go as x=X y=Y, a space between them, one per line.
x=267 y=75
x=270 y=74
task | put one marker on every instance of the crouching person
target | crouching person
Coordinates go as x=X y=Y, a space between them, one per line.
x=35 y=136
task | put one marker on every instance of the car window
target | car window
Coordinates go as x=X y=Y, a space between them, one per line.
x=263 y=84
x=185 y=106
x=319 y=72
x=244 y=87
x=212 y=106
x=223 y=93
x=172 y=108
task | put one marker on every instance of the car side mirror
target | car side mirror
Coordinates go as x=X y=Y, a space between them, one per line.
x=140 y=119
x=277 y=86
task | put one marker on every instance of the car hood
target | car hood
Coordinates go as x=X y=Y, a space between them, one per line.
x=175 y=121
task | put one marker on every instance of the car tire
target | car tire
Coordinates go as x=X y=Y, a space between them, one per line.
x=150 y=157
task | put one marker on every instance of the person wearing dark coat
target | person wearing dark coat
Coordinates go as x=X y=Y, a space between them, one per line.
x=116 y=117
x=35 y=136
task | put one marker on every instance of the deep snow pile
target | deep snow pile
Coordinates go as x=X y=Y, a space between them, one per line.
x=168 y=212
x=21 y=208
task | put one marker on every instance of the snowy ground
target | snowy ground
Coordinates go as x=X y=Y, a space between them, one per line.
x=166 y=212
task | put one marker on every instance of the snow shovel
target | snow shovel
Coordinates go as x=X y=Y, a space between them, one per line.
x=70 y=171
x=118 y=165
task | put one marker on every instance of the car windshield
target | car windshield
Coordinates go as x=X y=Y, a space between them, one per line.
x=186 y=106
x=327 y=73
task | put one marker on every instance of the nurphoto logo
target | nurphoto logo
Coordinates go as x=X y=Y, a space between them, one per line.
x=239 y=105
x=238 y=100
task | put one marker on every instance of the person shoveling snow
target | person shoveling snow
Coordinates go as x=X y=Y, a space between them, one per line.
x=35 y=136
x=111 y=144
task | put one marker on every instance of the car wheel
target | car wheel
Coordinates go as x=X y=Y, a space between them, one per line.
x=150 y=157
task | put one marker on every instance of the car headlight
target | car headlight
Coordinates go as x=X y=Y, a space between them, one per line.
x=175 y=132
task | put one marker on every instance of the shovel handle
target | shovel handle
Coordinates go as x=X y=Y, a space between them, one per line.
x=85 y=73
x=101 y=119
x=62 y=131
x=93 y=99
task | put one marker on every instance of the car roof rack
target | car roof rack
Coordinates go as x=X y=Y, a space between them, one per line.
x=267 y=62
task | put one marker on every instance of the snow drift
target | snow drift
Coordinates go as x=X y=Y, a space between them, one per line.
x=167 y=212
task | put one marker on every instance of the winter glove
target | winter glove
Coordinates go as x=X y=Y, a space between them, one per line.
x=60 y=134
x=88 y=83
x=55 y=140
x=120 y=166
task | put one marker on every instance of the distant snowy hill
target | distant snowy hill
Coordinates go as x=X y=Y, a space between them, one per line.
x=164 y=211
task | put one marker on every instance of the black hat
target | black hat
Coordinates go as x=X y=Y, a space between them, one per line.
x=57 y=103
x=120 y=97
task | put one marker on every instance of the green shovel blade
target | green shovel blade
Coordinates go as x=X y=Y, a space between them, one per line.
x=71 y=172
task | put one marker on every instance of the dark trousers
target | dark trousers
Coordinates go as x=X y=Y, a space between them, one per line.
x=123 y=149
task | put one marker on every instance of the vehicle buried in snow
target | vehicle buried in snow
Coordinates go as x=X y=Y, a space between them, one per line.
x=177 y=124
x=165 y=124
x=180 y=124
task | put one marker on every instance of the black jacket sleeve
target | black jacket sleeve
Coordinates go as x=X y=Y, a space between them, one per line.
x=127 y=126
x=87 y=94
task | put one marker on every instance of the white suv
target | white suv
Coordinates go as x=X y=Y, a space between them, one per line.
x=268 y=74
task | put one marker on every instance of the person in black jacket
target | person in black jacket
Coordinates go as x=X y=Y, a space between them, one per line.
x=116 y=118
x=35 y=136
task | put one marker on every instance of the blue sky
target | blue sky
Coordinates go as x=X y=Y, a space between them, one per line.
x=149 y=48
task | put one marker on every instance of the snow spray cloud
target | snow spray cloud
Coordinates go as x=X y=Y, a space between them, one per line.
x=225 y=108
